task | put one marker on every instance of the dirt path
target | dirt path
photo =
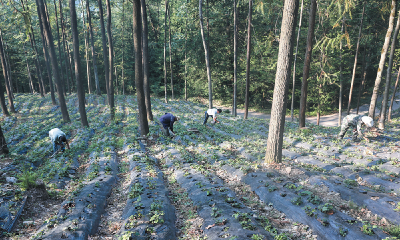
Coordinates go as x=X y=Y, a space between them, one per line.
x=326 y=121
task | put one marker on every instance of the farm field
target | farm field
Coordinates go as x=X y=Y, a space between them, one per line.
x=115 y=184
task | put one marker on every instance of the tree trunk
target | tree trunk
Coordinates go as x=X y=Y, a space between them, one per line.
x=165 y=51
x=246 y=105
x=70 y=85
x=355 y=60
x=59 y=45
x=206 y=55
x=3 y=142
x=47 y=61
x=86 y=50
x=307 y=61
x=186 y=30
x=341 y=77
x=111 y=61
x=94 y=57
x=389 y=75
x=278 y=111
x=123 y=47
x=103 y=40
x=53 y=100
x=364 y=74
x=295 y=60
x=170 y=54
x=31 y=86
x=234 y=104
x=5 y=73
x=137 y=39
x=146 y=76
x=371 y=111
x=8 y=64
x=393 y=96
x=79 y=86
x=68 y=74
x=53 y=58
x=33 y=45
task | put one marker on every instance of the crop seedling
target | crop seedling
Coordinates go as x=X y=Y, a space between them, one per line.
x=343 y=232
x=281 y=236
x=314 y=199
x=244 y=220
x=309 y=211
x=367 y=229
x=220 y=221
x=272 y=188
x=257 y=237
x=215 y=212
x=350 y=183
x=326 y=208
x=297 y=201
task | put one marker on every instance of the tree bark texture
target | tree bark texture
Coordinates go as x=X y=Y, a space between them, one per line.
x=79 y=86
x=5 y=74
x=146 y=75
x=371 y=111
x=307 y=61
x=294 y=63
x=53 y=57
x=94 y=56
x=59 y=45
x=235 y=38
x=165 y=51
x=47 y=61
x=278 y=111
x=389 y=75
x=170 y=53
x=3 y=142
x=111 y=61
x=353 y=76
x=246 y=105
x=137 y=41
x=393 y=96
x=68 y=74
x=104 y=41
x=207 y=58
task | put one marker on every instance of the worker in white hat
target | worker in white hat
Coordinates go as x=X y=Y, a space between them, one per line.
x=356 y=122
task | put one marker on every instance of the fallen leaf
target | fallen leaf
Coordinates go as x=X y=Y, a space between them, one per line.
x=210 y=226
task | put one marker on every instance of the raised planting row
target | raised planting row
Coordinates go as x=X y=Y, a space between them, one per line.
x=213 y=184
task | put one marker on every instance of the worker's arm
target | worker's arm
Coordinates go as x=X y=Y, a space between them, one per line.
x=215 y=118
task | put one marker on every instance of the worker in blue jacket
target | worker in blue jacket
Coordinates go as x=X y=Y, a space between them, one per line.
x=168 y=120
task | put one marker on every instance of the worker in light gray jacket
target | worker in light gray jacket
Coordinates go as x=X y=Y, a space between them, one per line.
x=58 y=138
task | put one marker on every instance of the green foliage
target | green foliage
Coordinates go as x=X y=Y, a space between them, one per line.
x=27 y=179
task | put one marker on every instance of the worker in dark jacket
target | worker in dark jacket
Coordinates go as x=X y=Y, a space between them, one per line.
x=168 y=120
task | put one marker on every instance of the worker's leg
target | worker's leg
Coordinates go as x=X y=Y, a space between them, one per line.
x=166 y=132
x=205 y=118
x=355 y=134
x=55 y=147
x=343 y=130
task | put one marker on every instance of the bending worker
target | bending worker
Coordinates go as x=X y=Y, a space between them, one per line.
x=58 y=138
x=168 y=120
x=355 y=121
x=212 y=113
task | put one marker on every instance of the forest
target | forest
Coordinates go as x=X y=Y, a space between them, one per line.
x=348 y=37
x=105 y=72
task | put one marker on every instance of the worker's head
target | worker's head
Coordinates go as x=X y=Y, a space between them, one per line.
x=62 y=139
x=219 y=110
x=368 y=121
x=177 y=118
